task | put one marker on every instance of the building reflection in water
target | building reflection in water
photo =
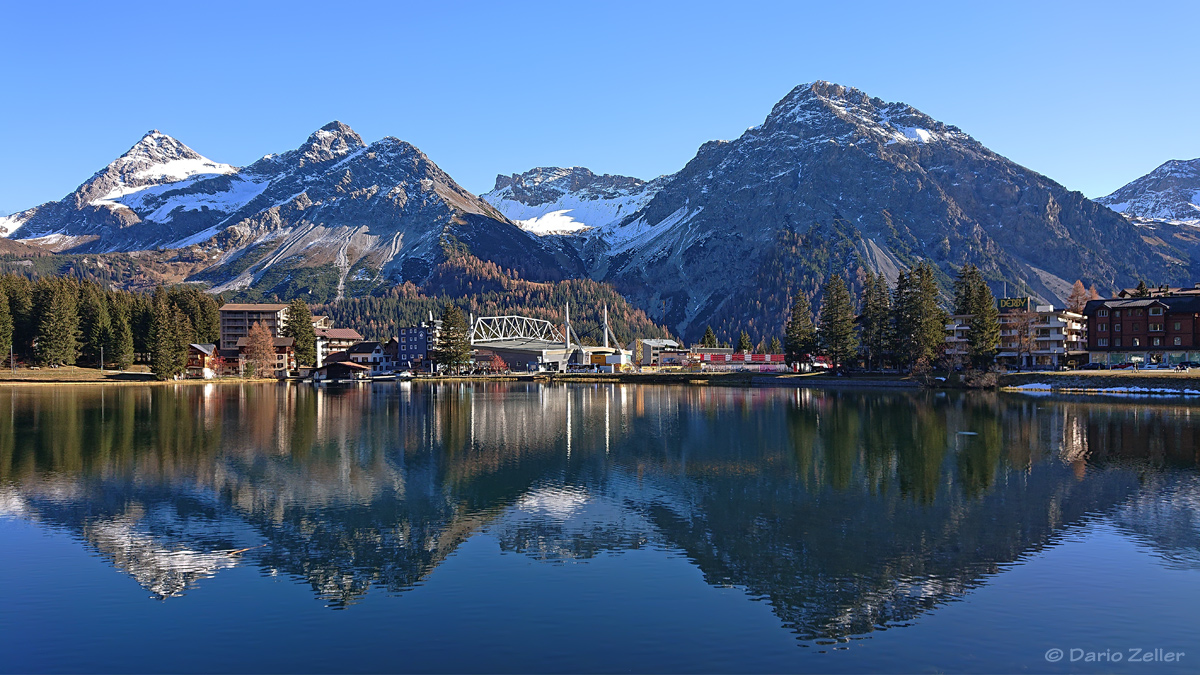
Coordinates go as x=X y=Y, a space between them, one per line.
x=846 y=510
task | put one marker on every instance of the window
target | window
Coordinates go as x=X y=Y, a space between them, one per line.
x=1103 y=328
x=1117 y=327
x=1157 y=342
x=1178 y=325
x=1137 y=327
x=1103 y=342
x=1156 y=326
x=1178 y=341
x=1117 y=342
x=1156 y=311
x=1137 y=342
x=1104 y=312
x=1118 y=314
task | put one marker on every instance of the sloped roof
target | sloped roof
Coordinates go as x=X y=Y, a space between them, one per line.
x=251 y=307
x=344 y=364
x=207 y=350
x=364 y=347
x=339 y=334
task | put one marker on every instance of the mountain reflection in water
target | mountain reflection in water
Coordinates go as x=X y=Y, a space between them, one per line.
x=847 y=511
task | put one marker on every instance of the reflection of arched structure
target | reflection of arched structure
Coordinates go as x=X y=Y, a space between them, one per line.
x=915 y=498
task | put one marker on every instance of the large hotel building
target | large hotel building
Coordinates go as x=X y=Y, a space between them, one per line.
x=1161 y=328
x=236 y=321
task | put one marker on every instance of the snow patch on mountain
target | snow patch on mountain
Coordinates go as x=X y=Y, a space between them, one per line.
x=569 y=213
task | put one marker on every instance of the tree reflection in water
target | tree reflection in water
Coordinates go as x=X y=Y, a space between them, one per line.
x=847 y=510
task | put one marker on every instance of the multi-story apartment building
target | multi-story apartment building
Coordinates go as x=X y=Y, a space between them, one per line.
x=331 y=340
x=1163 y=328
x=237 y=319
x=1030 y=336
x=413 y=344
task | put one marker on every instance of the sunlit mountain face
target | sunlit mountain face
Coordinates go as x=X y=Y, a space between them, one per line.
x=847 y=514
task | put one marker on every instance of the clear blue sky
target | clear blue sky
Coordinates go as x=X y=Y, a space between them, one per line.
x=1091 y=94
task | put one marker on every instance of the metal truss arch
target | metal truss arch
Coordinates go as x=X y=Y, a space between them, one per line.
x=511 y=327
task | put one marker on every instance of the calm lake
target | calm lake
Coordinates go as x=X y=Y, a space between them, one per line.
x=531 y=527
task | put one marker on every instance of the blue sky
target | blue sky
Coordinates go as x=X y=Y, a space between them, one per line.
x=1091 y=94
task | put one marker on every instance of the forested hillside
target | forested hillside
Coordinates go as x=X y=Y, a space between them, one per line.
x=483 y=288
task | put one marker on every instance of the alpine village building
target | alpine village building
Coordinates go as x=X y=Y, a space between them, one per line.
x=1162 y=327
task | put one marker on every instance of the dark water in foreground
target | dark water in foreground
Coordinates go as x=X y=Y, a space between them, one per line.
x=513 y=528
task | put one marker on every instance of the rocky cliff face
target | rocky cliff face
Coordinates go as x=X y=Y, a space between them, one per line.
x=1169 y=193
x=333 y=214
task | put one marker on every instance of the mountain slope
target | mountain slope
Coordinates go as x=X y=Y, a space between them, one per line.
x=1170 y=193
x=132 y=203
x=333 y=214
x=864 y=184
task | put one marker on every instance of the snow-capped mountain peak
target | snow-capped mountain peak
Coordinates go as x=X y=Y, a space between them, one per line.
x=1171 y=193
x=331 y=141
x=814 y=107
x=560 y=200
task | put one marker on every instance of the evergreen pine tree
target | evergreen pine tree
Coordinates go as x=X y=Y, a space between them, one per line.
x=162 y=339
x=836 y=330
x=182 y=335
x=141 y=321
x=983 y=330
x=744 y=344
x=453 y=349
x=120 y=345
x=800 y=337
x=876 y=319
x=1141 y=291
x=903 y=321
x=20 y=305
x=709 y=339
x=775 y=347
x=94 y=323
x=6 y=327
x=919 y=318
x=299 y=327
x=55 y=305
x=930 y=324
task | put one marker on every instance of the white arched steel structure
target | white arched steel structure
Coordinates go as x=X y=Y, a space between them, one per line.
x=491 y=328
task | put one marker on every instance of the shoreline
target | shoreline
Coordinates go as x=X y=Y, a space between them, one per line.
x=1095 y=383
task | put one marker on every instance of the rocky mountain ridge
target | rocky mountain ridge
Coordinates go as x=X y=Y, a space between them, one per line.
x=1169 y=193
x=333 y=213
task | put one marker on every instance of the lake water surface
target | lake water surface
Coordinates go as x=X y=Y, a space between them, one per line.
x=530 y=527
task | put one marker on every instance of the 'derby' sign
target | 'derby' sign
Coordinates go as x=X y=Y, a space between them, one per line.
x=1014 y=304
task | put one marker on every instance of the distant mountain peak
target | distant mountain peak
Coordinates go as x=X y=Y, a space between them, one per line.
x=559 y=200
x=1171 y=192
x=331 y=141
x=827 y=111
